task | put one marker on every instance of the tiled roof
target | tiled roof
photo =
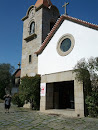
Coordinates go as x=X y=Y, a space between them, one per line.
x=56 y=26
x=46 y=3
x=18 y=73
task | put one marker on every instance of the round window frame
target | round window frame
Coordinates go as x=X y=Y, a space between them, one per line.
x=69 y=36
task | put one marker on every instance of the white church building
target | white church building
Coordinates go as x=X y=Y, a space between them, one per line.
x=52 y=46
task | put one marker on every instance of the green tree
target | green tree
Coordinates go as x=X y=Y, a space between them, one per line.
x=29 y=90
x=6 y=71
x=87 y=73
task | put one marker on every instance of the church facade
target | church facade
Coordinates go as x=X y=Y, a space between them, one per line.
x=52 y=45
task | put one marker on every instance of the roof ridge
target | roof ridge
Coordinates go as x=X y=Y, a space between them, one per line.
x=56 y=25
x=81 y=20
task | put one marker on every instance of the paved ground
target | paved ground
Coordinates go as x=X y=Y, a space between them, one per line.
x=24 y=119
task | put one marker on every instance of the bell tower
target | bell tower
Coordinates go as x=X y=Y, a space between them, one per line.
x=38 y=22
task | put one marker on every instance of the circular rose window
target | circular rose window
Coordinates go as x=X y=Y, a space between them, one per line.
x=65 y=45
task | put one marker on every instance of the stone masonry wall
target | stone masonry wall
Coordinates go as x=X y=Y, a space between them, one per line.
x=42 y=18
x=49 y=15
x=30 y=47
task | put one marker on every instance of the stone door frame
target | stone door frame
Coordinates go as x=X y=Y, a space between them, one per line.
x=78 y=92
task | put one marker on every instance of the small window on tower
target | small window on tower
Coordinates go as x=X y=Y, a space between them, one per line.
x=30 y=58
x=32 y=27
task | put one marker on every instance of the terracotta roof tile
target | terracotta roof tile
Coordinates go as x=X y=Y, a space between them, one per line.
x=18 y=73
x=46 y=3
x=58 y=23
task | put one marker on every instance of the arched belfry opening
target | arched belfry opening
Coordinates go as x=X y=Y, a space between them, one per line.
x=32 y=28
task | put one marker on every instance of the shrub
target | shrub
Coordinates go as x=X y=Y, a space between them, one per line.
x=29 y=90
x=87 y=73
x=16 y=100
x=92 y=104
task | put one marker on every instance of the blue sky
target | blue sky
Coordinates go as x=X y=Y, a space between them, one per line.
x=11 y=26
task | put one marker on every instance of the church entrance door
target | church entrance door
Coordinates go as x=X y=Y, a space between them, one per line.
x=63 y=95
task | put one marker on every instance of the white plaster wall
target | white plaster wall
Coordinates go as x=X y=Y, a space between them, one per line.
x=86 y=45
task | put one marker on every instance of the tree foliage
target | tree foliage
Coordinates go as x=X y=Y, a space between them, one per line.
x=87 y=73
x=29 y=90
x=16 y=100
x=6 y=71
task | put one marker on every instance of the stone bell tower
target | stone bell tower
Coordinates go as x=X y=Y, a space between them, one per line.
x=37 y=23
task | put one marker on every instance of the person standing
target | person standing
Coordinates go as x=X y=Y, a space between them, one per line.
x=7 y=102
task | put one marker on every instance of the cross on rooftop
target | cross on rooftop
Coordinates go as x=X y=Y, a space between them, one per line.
x=65 y=5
